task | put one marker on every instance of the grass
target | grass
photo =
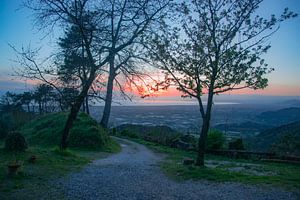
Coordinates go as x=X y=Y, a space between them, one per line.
x=222 y=169
x=43 y=134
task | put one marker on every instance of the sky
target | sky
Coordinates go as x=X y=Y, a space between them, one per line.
x=16 y=28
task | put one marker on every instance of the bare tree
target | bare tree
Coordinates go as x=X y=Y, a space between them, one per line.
x=216 y=47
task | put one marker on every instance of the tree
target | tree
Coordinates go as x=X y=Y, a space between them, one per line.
x=90 y=19
x=44 y=96
x=10 y=102
x=217 y=46
x=68 y=98
x=73 y=70
x=127 y=21
x=26 y=99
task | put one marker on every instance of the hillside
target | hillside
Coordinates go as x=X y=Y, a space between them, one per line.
x=46 y=131
x=245 y=127
x=284 y=139
x=280 y=117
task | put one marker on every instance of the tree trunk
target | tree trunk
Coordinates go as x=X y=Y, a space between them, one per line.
x=83 y=106
x=75 y=109
x=87 y=105
x=109 y=92
x=204 y=131
x=202 y=143
x=40 y=107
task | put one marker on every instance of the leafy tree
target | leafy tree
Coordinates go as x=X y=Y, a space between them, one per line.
x=44 y=96
x=10 y=102
x=26 y=99
x=215 y=46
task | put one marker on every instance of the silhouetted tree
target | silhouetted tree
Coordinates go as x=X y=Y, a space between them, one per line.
x=73 y=71
x=215 y=46
x=44 y=96
x=90 y=19
x=128 y=21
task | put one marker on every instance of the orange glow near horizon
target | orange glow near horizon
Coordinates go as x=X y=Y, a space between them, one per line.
x=141 y=89
x=272 y=90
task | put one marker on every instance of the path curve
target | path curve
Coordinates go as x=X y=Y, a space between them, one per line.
x=134 y=174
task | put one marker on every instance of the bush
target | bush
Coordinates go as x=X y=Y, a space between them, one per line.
x=215 y=140
x=93 y=137
x=236 y=145
x=15 y=141
x=128 y=133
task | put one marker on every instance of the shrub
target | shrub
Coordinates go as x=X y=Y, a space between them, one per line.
x=92 y=137
x=215 y=140
x=15 y=141
x=236 y=145
x=128 y=133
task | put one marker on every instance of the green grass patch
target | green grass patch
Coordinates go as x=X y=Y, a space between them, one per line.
x=223 y=169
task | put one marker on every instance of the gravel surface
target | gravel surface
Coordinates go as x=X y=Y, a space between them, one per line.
x=134 y=173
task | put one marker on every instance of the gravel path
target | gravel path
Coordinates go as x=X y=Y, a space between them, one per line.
x=134 y=174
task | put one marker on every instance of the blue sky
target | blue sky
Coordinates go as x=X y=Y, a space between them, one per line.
x=16 y=28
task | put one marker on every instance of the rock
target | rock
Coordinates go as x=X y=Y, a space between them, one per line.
x=188 y=161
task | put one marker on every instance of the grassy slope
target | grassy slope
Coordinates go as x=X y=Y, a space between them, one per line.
x=46 y=131
x=282 y=175
x=43 y=136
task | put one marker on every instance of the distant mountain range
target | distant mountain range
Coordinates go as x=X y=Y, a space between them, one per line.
x=280 y=117
x=263 y=121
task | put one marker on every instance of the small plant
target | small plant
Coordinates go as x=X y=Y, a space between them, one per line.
x=15 y=141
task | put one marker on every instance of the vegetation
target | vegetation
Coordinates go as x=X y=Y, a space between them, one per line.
x=97 y=35
x=222 y=169
x=160 y=134
x=15 y=141
x=85 y=134
x=213 y=48
x=215 y=140
x=283 y=139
